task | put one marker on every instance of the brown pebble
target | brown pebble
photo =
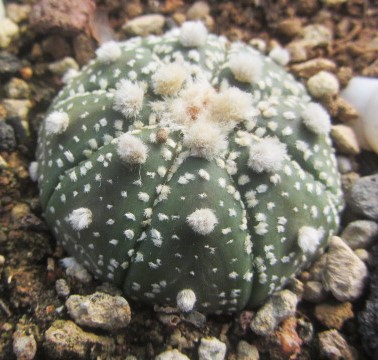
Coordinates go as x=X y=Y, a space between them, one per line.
x=312 y=67
x=290 y=27
x=345 y=139
x=333 y=316
x=162 y=136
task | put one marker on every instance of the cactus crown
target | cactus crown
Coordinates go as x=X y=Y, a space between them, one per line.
x=189 y=171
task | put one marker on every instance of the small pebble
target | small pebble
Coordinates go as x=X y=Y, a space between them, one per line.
x=24 y=346
x=211 y=349
x=323 y=84
x=8 y=32
x=363 y=197
x=289 y=340
x=145 y=25
x=345 y=164
x=171 y=355
x=2 y=261
x=363 y=255
x=360 y=234
x=345 y=139
x=247 y=351
x=60 y=67
x=17 y=108
x=7 y=137
x=277 y=308
x=99 y=310
x=62 y=288
x=314 y=291
x=19 y=211
x=198 y=11
x=17 y=89
x=311 y=67
x=65 y=340
x=333 y=346
x=9 y=64
x=290 y=27
x=344 y=273
x=18 y=12
x=333 y=316
x=84 y=49
x=316 y=35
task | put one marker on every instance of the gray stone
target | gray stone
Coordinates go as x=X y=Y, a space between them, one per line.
x=363 y=197
x=277 y=308
x=145 y=25
x=99 y=310
x=62 y=288
x=65 y=340
x=360 y=233
x=211 y=349
x=344 y=273
x=334 y=347
x=24 y=346
x=171 y=355
x=7 y=137
x=9 y=64
x=246 y=351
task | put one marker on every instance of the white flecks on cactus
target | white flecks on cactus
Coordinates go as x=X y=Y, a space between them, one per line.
x=80 y=218
x=128 y=98
x=169 y=79
x=280 y=55
x=131 y=149
x=56 y=122
x=186 y=300
x=316 y=119
x=33 y=170
x=109 y=52
x=246 y=67
x=309 y=239
x=193 y=34
x=205 y=139
x=202 y=221
x=267 y=154
x=231 y=105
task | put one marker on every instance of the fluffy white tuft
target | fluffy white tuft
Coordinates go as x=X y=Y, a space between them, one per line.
x=267 y=154
x=205 y=139
x=309 y=239
x=56 y=122
x=231 y=104
x=202 y=221
x=76 y=270
x=186 y=299
x=109 y=52
x=193 y=34
x=168 y=79
x=80 y=218
x=131 y=149
x=246 y=67
x=128 y=98
x=316 y=119
x=280 y=55
x=33 y=171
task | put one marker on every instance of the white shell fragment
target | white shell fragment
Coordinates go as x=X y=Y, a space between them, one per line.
x=56 y=122
x=186 y=300
x=316 y=119
x=202 y=221
x=128 y=98
x=193 y=34
x=131 y=149
x=109 y=52
x=267 y=154
x=246 y=67
x=80 y=218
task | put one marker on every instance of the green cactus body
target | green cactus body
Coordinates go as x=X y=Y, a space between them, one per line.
x=189 y=171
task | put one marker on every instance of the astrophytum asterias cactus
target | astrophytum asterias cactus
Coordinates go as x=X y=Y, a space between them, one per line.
x=189 y=171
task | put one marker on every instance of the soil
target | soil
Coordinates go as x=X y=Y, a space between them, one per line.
x=28 y=299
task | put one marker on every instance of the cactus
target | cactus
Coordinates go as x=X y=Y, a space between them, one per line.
x=189 y=171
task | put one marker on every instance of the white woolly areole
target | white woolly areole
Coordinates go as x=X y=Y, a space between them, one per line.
x=33 y=171
x=193 y=34
x=186 y=299
x=69 y=75
x=205 y=140
x=80 y=218
x=168 y=79
x=202 y=221
x=231 y=104
x=309 y=239
x=109 y=52
x=246 y=67
x=280 y=55
x=128 y=98
x=316 y=119
x=56 y=122
x=267 y=154
x=131 y=149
